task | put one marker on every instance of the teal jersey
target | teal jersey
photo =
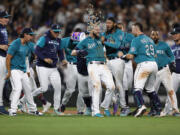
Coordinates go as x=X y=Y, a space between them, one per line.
x=164 y=54
x=126 y=42
x=68 y=46
x=94 y=48
x=19 y=53
x=143 y=48
x=113 y=42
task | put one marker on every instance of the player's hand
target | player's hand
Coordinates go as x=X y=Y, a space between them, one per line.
x=64 y=63
x=120 y=54
x=4 y=47
x=172 y=67
x=124 y=58
x=103 y=39
x=8 y=76
x=48 y=60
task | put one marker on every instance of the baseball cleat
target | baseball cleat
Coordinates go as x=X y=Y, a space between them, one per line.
x=57 y=112
x=46 y=107
x=163 y=114
x=36 y=113
x=133 y=112
x=88 y=111
x=107 y=113
x=125 y=112
x=3 y=111
x=12 y=114
x=151 y=113
x=80 y=113
x=176 y=114
x=98 y=115
x=63 y=108
x=141 y=110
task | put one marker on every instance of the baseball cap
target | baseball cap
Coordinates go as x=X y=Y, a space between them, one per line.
x=28 y=31
x=176 y=30
x=55 y=28
x=4 y=14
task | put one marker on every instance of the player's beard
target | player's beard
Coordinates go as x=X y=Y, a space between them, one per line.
x=110 y=30
x=95 y=35
x=156 y=41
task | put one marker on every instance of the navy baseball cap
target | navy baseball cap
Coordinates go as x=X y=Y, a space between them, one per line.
x=4 y=14
x=176 y=30
x=56 y=28
x=28 y=31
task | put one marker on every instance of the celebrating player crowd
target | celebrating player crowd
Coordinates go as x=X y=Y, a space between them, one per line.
x=116 y=61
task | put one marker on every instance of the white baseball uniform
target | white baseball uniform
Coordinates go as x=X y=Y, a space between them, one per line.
x=2 y=77
x=71 y=78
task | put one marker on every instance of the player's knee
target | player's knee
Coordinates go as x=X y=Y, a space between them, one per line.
x=69 y=92
x=111 y=87
x=97 y=86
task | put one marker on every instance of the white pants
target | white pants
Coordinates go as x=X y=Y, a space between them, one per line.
x=2 y=77
x=164 y=76
x=71 y=78
x=176 y=85
x=145 y=76
x=19 y=80
x=98 y=73
x=176 y=81
x=117 y=68
x=84 y=86
x=32 y=84
x=128 y=76
x=47 y=76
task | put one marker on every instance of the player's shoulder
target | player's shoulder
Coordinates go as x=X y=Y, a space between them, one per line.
x=42 y=38
x=16 y=42
x=86 y=39
x=31 y=44
x=130 y=36
x=65 y=38
x=41 y=41
x=119 y=31
x=162 y=42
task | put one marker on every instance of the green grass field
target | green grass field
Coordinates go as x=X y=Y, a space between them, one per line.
x=49 y=124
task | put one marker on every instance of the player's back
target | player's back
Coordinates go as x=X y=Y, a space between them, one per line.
x=143 y=48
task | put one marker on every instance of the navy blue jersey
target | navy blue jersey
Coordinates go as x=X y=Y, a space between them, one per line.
x=3 y=39
x=176 y=52
x=48 y=47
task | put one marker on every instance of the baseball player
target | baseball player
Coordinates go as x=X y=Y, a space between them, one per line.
x=4 y=19
x=47 y=50
x=97 y=69
x=84 y=83
x=143 y=52
x=112 y=40
x=16 y=67
x=22 y=104
x=128 y=71
x=68 y=45
x=176 y=74
x=165 y=62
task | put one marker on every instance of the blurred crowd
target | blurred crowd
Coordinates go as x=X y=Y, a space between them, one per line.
x=40 y=14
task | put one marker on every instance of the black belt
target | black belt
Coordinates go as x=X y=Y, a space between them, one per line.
x=162 y=67
x=73 y=63
x=111 y=58
x=97 y=62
